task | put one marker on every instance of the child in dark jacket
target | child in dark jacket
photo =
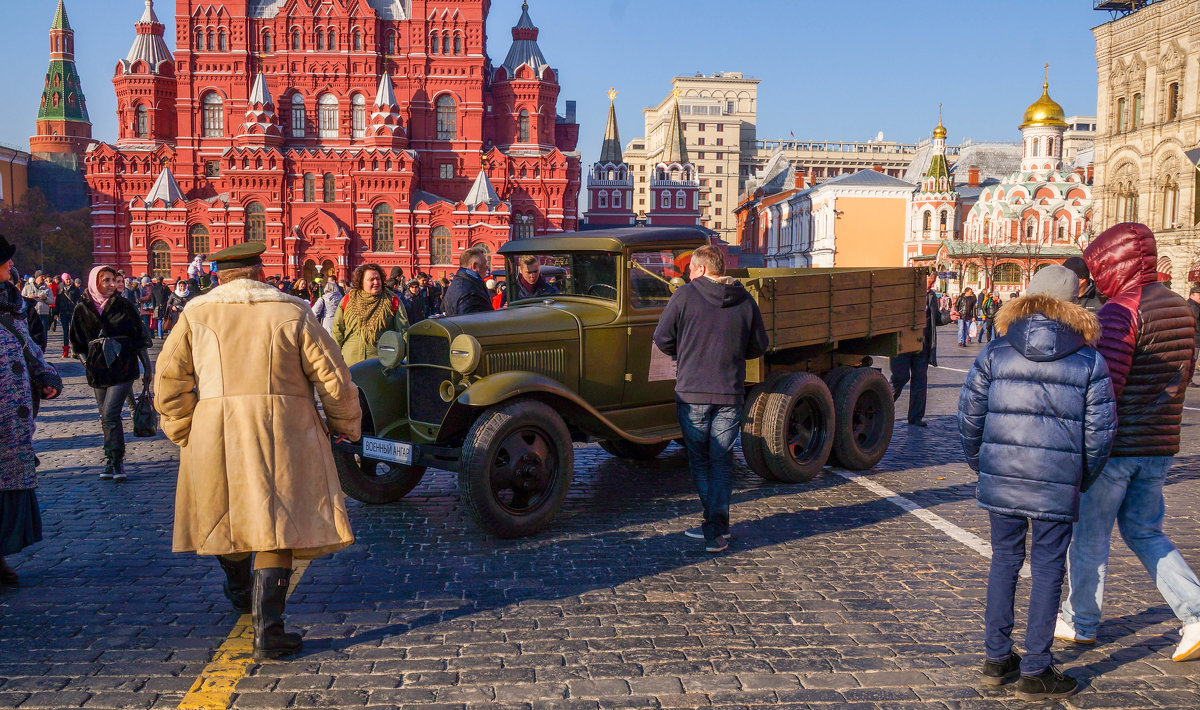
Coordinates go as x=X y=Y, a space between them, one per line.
x=1037 y=418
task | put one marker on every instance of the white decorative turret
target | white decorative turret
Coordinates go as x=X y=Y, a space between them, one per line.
x=386 y=127
x=482 y=193
x=1042 y=132
x=261 y=125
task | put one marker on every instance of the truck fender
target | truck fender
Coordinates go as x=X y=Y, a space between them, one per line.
x=383 y=395
x=502 y=386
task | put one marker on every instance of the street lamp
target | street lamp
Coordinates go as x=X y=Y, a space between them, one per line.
x=41 y=246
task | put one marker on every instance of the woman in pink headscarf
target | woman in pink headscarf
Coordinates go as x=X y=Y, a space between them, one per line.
x=109 y=337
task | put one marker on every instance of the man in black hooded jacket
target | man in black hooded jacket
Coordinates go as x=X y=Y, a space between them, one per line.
x=711 y=326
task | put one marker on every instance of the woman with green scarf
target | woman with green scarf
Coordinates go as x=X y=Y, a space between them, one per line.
x=365 y=313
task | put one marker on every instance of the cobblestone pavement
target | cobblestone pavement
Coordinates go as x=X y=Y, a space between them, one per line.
x=831 y=595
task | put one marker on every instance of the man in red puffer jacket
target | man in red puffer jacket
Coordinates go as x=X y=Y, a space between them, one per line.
x=1146 y=338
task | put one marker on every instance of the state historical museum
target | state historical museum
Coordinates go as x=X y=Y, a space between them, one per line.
x=337 y=132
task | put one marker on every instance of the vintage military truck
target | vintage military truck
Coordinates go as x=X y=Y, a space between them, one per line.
x=501 y=397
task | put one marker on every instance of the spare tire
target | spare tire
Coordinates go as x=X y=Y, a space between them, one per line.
x=864 y=416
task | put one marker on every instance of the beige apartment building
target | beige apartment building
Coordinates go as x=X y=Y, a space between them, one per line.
x=1148 y=137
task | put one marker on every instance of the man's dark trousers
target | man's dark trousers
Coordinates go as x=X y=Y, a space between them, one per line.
x=710 y=430
x=1048 y=565
x=916 y=366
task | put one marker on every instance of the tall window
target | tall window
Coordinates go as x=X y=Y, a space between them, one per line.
x=1170 y=204
x=222 y=42
x=160 y=259
x=523 y=227
x=942 y=221
x=391 y=42
x=446 y=43
x=458 y=44
x=327 y=186
x=256 y=222
x=616 y=198
x=1173 y=101
x=359 y=116
x=1008 y=273
x=310 y=188
x=1120 y=115
x=327 y=115
x=358 y=45
x=199 y=40
x=211 y=37
x=333 y=45
x=297 y=116
x=214 y=115
x=1137 y=111
x=320 y=40
x=440 y=247
x=267 y=46
x=143 y=121
x=524 y=125
x=447 y=118
x=296 y=44
x=434 y=43
x=382 y=234
x=197 y=240
x=927 y=222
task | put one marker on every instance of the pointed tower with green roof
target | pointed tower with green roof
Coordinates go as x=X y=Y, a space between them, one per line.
x=935 y=202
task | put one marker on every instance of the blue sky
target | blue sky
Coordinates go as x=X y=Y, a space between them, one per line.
x=830 y=70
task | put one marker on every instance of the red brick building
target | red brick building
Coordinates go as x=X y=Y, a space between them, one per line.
x=337 y=132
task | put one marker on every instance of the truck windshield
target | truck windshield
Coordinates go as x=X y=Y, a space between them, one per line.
x=591 y=274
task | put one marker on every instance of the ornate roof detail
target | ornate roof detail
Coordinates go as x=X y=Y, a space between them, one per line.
x=1045 y=111
x=675 y=145
x=482 y=192
x=610 y=150
x=60 y=18
x=525 y=48
x=387 y=125
x=385 y=96
x=165 y=189
x=148 y=45
x=384 y=9
x=261 y=125
x=260 y=94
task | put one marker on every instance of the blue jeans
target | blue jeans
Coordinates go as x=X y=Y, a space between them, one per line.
x=710 y=430
x=1047 y=561
x=1128 y=491
x=964 y=327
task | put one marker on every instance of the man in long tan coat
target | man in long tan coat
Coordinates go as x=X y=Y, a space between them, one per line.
x=235 y=384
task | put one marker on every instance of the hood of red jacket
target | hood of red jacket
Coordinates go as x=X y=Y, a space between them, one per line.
x=1122 y=258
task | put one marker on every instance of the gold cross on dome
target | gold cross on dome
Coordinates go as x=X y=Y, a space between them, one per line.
x=612 y=94
x=676 y=93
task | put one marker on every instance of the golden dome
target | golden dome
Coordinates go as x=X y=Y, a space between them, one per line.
x=940 y=131
x=1044 y=112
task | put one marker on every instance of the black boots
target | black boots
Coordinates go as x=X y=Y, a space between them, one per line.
x=119 y=468
x=239 y=583
x=8 y=576
x=114 y=467
x=107 y=473
x=1050 y=683
x=999 y=673
x=270 y=593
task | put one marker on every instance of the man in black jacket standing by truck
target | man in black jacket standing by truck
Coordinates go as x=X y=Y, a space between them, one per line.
x=916 y=365
x=710 y=327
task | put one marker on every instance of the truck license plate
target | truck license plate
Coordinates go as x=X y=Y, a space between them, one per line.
x=384 y=450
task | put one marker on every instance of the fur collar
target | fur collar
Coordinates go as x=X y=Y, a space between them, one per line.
x=244 y=291
x=1072 y=316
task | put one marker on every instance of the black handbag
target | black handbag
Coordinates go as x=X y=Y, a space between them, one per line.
x=145 y=419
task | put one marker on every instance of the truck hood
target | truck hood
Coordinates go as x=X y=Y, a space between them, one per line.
x=529 y=322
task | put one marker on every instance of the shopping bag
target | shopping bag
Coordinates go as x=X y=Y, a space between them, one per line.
x=973 y=331
x=145 y=419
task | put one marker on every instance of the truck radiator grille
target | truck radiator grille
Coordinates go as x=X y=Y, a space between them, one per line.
x=424 y=402
x=548 y=362
x=428 y=350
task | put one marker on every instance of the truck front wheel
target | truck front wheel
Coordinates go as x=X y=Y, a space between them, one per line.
x=638 y=452
x=865 y=416
x=797 y=427
x=516 y=468
x=372 y=481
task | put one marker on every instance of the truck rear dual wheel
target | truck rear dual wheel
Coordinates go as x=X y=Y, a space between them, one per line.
x=637 y=452
x=797 y=427
x=375 y=482
x=864 y=416
x=516 y=467
x=752 y=417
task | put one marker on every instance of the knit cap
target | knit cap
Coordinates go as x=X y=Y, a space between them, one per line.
x=1055 y=281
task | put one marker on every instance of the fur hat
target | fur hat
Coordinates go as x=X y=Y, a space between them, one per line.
x=1055 y=281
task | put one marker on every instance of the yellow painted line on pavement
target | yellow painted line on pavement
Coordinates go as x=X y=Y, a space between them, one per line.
x=214 y=688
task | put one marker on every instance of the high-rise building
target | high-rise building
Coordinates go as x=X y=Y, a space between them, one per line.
x=335 y=133
x=64 y=131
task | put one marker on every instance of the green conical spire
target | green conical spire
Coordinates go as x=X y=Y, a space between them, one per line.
x=62 y=96
x=60 y=18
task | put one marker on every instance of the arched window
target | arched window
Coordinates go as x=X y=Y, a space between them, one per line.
x=1007 y=273
x=296 y=43
x=1029 y=232
x=391 y=42
x=434 y=43
x=256 y=222
x=327 y=115
x=523 y=121
x=972 y=273
x=680 y=200
x=1173 y=101
x=310 y=187
x=358 y=45
x=440 y=246
x=333 y=45
x=267 y=46
x=319 y=36
x=523 y=226
x=942 y=221
x=602 y=199
x=211 y=40
x=297 y=116
x=1120 y=115
x=160 y=259
x=1170 y=204
x=222 y=41
x=616 y=198
x=382 y=235
x=927 y=221
x=447 y=118
x=143 y=121
x=214 y=115
x=327 y=185
x=199 y=40
x=359 y=116
x=197 y=240
x=1137 y=111
x=987 y=228
x=446 y=43
x=458 y=44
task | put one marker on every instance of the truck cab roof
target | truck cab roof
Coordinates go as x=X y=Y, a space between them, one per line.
x=608 y=240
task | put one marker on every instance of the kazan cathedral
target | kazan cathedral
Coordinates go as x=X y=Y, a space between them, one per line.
x=336 y=132
x=1037 y=216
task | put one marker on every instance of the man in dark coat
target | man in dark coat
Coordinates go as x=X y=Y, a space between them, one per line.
x=916 y=365
x=710 y=327
x=965 y=305
x=530 y=282
x=1148 y=341
x=468 y=293
x=1035 y=447
x=1088 y=297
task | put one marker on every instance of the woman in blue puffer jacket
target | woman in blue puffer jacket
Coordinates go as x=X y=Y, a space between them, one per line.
x=1037 y=418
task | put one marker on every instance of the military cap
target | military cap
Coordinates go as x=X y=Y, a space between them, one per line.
x=239 y=255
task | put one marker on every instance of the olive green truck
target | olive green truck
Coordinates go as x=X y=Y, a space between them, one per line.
x=500 y=398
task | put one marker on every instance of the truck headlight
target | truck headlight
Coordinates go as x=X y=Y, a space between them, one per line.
x=465 y=353
x=391 y=349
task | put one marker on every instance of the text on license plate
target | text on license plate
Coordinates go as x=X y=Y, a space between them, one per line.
x=384 y=450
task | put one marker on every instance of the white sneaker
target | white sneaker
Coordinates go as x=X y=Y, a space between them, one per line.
x=1189 y=645
x=1064 y=631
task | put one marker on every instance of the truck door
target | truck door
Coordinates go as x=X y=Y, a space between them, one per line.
x=645 y=300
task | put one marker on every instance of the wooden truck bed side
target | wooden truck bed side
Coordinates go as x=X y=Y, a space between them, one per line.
x=803 y=308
